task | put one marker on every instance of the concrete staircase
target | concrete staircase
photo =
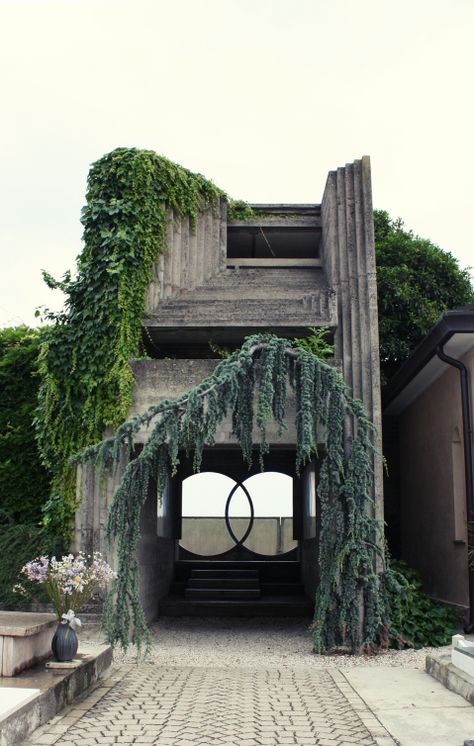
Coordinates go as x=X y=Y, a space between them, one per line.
x=256 y=588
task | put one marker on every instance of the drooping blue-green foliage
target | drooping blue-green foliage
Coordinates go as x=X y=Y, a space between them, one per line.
x=251 y=386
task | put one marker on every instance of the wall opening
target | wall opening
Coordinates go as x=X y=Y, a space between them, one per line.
x=273 y=242
x=219 y=513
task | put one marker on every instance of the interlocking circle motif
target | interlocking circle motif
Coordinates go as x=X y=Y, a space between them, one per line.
x=237 y=541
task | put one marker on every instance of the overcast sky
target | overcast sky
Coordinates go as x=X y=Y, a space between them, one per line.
x=262 y=96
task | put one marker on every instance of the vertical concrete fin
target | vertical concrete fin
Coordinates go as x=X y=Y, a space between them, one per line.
x=193 y=253
x=222 y=234
x=201 y=238
x=348 y=253
x=167 y=259
x=175 y=257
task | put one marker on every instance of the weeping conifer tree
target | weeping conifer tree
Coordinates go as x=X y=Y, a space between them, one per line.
x=251 y=386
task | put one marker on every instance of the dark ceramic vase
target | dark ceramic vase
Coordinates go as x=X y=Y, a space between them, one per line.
x=64 y=643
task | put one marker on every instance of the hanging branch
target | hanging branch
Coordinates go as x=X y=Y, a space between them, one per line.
x=251 y=387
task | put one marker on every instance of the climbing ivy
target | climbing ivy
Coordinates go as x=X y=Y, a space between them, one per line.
x=86 y=381
x=238 y=209
x=251 y=387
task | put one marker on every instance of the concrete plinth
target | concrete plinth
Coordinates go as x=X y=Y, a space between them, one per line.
x=25 y=639
x=35 y=696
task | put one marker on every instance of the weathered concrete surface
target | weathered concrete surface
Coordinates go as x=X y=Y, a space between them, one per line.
x=348 y=253
x=253 y=297
x=42 y=694
x=23 y=623
x=432 y=482
x=457 y=681
x=208 y=536
x=413 y=707
x=163 y=379
x=156 y=555
x=25 y=639
x=191 y=256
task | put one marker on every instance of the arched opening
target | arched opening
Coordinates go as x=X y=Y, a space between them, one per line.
x=219 y=513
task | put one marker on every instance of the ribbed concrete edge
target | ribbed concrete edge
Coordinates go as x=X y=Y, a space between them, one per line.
x=441 y=668
x=60 y=691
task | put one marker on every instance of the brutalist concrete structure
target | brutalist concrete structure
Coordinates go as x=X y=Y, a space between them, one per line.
x=289 y=268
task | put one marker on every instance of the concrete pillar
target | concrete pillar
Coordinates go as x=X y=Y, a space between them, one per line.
x=348 y=252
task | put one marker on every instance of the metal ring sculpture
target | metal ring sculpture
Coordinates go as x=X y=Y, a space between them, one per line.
x=227 y=519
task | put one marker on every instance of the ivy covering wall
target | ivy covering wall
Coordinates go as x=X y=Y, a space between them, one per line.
x=86 y=382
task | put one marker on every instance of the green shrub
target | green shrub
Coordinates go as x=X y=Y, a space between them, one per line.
x=416 y=621
x=24 y=482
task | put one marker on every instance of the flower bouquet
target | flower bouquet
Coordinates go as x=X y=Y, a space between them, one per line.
x=69 y=583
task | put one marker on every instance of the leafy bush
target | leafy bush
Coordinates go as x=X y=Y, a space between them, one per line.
x=24 y=482
x=417 y=281
x=18 y=543
x=416 y=621
x=316 y=342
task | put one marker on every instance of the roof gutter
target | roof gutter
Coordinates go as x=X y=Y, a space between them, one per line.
x=451 y=322
x=468 y=467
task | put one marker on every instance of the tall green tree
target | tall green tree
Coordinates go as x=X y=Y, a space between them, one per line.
x=24 y=482
x=417 y=281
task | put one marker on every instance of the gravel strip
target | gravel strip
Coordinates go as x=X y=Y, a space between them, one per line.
x=258 y=642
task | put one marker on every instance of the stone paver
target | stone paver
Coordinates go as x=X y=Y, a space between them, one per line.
x=197 y=706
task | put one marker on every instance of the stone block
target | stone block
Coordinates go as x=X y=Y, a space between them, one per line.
x=25 y=639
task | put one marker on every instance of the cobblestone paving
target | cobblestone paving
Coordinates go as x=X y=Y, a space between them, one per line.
x=196 y=706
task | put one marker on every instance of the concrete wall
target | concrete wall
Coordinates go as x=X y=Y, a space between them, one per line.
x=309 y=546
x=192 y=255
x=431 y=523
x=156 y=555
x=209 y=536
x=348 y=254
x=309 y=552
x=94 y=493
x=162 y=379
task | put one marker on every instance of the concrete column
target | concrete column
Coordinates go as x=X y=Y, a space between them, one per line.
x=348 y=252
x=185 y=264
x=222 y=234
x=175 y=257
x=167 y=258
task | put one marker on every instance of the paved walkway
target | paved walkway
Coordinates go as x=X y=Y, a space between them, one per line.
x=196 y=706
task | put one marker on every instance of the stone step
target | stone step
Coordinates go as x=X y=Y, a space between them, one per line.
x=281 y=606
x=225 y=593
x=213 y=582
x=227 y=573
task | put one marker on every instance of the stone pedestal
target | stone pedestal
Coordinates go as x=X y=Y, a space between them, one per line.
x=25 y=639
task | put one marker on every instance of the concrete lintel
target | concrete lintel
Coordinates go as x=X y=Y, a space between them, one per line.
x=278 y=221
x=273 y=262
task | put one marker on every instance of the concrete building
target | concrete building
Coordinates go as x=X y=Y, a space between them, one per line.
x=428 y=443
x=290 y=268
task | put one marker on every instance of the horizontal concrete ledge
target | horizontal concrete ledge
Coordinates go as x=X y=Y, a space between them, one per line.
x=24 y=623
x=273 y=262
x=441 y=668
x=35 y=696
x=278 y=221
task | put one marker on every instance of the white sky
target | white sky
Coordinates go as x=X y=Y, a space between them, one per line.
x=206 y=493
x=262 y=96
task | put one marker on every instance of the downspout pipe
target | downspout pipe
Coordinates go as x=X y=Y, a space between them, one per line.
x=468 y=467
